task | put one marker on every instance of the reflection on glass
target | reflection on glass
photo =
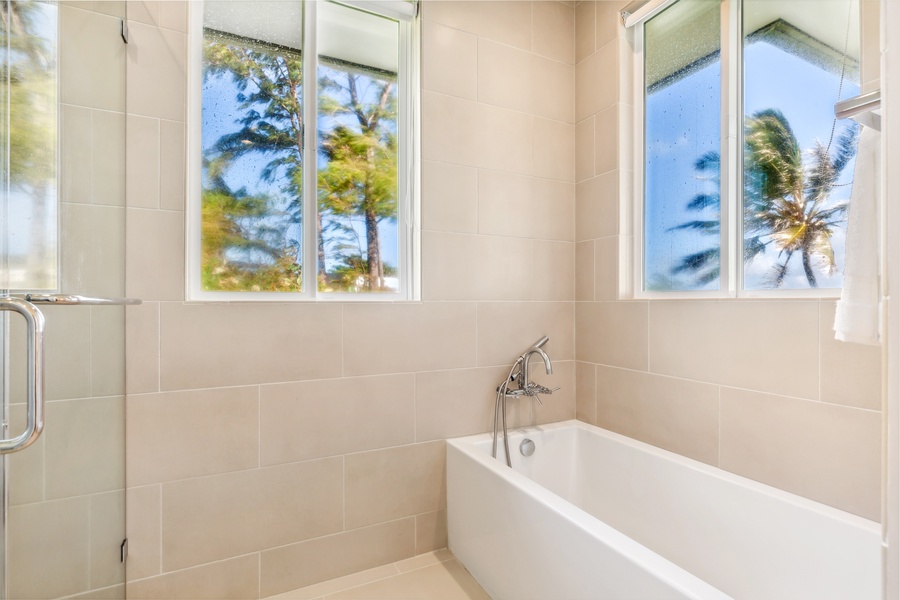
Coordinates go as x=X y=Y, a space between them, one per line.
x=29 y=87
x=798 y=162
x=357 y=178
x=252 y=147
x=682 y=126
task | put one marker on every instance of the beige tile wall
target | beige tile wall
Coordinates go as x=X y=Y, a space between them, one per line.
x=759 y=388
x=275 y=446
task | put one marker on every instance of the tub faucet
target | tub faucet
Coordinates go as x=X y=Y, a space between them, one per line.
x=531 y=388
x=524 y=388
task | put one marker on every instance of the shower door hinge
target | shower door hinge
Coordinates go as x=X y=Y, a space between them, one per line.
x=124 y=31
x=123 y=550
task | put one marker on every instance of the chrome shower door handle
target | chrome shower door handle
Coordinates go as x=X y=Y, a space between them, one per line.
x=76 y=300
x=34 y=325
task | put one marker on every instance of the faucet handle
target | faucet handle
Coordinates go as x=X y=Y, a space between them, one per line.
x=537 y=388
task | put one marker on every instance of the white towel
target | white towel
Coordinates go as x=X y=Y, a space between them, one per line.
x=857 y=318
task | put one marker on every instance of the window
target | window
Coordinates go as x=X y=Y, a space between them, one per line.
x=303 y=186
x=29 y=207
x=754 y=206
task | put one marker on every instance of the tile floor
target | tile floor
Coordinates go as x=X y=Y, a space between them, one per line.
x=432 y=576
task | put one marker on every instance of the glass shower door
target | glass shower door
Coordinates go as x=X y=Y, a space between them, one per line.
x=63 y=234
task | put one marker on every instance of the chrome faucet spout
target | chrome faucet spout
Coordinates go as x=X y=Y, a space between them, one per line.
x=547 y=364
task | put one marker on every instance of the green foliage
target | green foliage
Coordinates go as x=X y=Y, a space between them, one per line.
x=786 y=202
x=357 y=180
x=360 y=178
x=241 y=248
x=227 y=221
x=31 y=72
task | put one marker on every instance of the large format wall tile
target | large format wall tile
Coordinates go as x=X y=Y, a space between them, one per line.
x=850 y=373
x=553 y=31
x=469 y=133
x=675 y=414
x=144 y=536
x=506 y=329
x=475 y=267
x=597 y=207
x=299 y=421
x=452 y=56
x=83 y=448
x=612 y=333
x=36 y=573
x=25 y=470
x=585 y=26
x=107 y=518
x=299 y=565
x=142 y=348
x=457 y=402
x=155 y=254
x=75 y=130
x=450 y=198
x=393 y=483
x=93 y=263
x=505 y=76
x=142 y=170
x=210 y=345
x=586 y=392
x=501 y=21
x=67 y=353
x=553 y=272
x=217 y=517
x=107 y=350
x=177 y=435
x=156 y=72
x=90 y=69
x=554 y=150
x=822 y=451
x=527 y=207
x=422 y=337
x=233 y=579
x=769 y=346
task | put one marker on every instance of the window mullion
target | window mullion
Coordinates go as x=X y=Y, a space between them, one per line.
x=730 y=191
x=310 y=143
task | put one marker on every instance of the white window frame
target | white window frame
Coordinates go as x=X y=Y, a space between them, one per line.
x=731 y=155
x=408 y=161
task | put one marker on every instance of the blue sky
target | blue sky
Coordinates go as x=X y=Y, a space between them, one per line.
x=683 y=123
x=220 y=116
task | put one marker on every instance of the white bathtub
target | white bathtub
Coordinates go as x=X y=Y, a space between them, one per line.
x=593 y=514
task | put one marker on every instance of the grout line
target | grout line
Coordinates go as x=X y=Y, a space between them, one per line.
x=259 y=437
x=343 y=492
x=719 y=432
x=90 y=540
x=160 y=496
x=819 y=350
x=158 y=347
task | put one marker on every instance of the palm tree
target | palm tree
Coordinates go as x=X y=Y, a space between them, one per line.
x=787 y=204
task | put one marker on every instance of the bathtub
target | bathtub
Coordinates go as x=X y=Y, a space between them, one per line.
x=593 y=514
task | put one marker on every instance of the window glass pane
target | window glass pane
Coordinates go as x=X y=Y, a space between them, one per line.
x=30 y=110
x=682 y=126
x=358 y=247
x=798 y=161
x=251 y=204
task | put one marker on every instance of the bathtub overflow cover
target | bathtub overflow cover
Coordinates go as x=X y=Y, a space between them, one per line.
x=526 y=447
